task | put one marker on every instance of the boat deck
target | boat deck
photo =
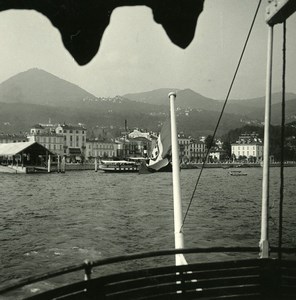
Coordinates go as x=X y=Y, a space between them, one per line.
x=234 y=279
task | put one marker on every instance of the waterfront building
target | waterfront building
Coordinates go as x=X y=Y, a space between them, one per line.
x=216 y=154
x=190 y=149
x=12 y=138
x=47 y=137
x=249 y=146
x=20 y=155
x=101 y=149
x=140 y=143
x=74 y=143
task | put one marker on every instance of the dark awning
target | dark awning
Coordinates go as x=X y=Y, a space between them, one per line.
x=82 y=23
x=74 y=151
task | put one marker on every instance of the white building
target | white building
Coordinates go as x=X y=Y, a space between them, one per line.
x=249 y=145
x=48 y=138
x=102 y=149
x=191 y=150
x=74 y=143
x=247 y=150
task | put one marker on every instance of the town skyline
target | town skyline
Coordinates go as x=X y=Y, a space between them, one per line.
x=137 y=56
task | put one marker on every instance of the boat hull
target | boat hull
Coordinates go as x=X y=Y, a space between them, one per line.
x=144 y=169
x=119 y=169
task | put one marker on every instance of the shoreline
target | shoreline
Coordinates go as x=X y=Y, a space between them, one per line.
x=233 y=165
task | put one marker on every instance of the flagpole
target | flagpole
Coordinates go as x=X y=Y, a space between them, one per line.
x=264 y=243
x=179 y=238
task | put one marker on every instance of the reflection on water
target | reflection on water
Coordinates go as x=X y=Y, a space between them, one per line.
x=52 y=220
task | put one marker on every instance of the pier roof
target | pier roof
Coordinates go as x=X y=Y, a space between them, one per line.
x=16 y=148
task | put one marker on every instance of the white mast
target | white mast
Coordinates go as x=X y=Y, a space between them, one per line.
x=179 y=238
x=264 y=243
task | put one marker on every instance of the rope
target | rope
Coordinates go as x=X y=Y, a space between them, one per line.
x=282 y=145
x=221 y=114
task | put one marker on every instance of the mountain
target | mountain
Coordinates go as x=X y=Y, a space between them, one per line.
x=37 y=86
x=260 y=101
x=185 y=99
x=251 y=110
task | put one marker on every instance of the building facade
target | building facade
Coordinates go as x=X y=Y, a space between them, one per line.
x=100 y=149
x=251 y=150
x=12 y=138
x=48 y=138
x=249 y=146
x=191 y=150
x=74 y=143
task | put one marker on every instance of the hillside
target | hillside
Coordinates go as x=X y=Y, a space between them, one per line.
x=249 y=109
x=40 y=87
x=35 y=96
x=185 y=99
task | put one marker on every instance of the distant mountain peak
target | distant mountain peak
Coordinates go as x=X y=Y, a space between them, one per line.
x=37 y=86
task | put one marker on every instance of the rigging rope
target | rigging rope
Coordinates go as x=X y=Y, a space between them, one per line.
x=221 y=114
x=282 y=145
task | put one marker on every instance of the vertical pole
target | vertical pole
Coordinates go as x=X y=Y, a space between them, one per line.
x=63 y=165
x=264 y=243
x=179 y=238
x=96 y=164
x=59 y=163
x=49 y=164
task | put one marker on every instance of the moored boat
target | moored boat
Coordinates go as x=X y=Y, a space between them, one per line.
x=118 y=166
x=237 y=173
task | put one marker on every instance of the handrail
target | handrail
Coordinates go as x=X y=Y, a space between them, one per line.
x=128 y=257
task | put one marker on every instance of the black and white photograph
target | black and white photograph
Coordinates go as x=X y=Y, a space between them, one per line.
x=147 y=149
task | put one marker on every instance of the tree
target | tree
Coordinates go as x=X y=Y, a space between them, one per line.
x=227 y=148
x=208 y=142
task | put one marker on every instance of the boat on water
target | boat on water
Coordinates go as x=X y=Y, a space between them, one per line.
x=266 y=277
x=237 y=173
x=118 y=166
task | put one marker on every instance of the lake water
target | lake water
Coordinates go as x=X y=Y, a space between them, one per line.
x=48 y=221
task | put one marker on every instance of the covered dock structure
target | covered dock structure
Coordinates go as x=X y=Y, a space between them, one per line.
x=23 y=157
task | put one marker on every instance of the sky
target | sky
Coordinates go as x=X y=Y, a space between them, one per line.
x=137 y=56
